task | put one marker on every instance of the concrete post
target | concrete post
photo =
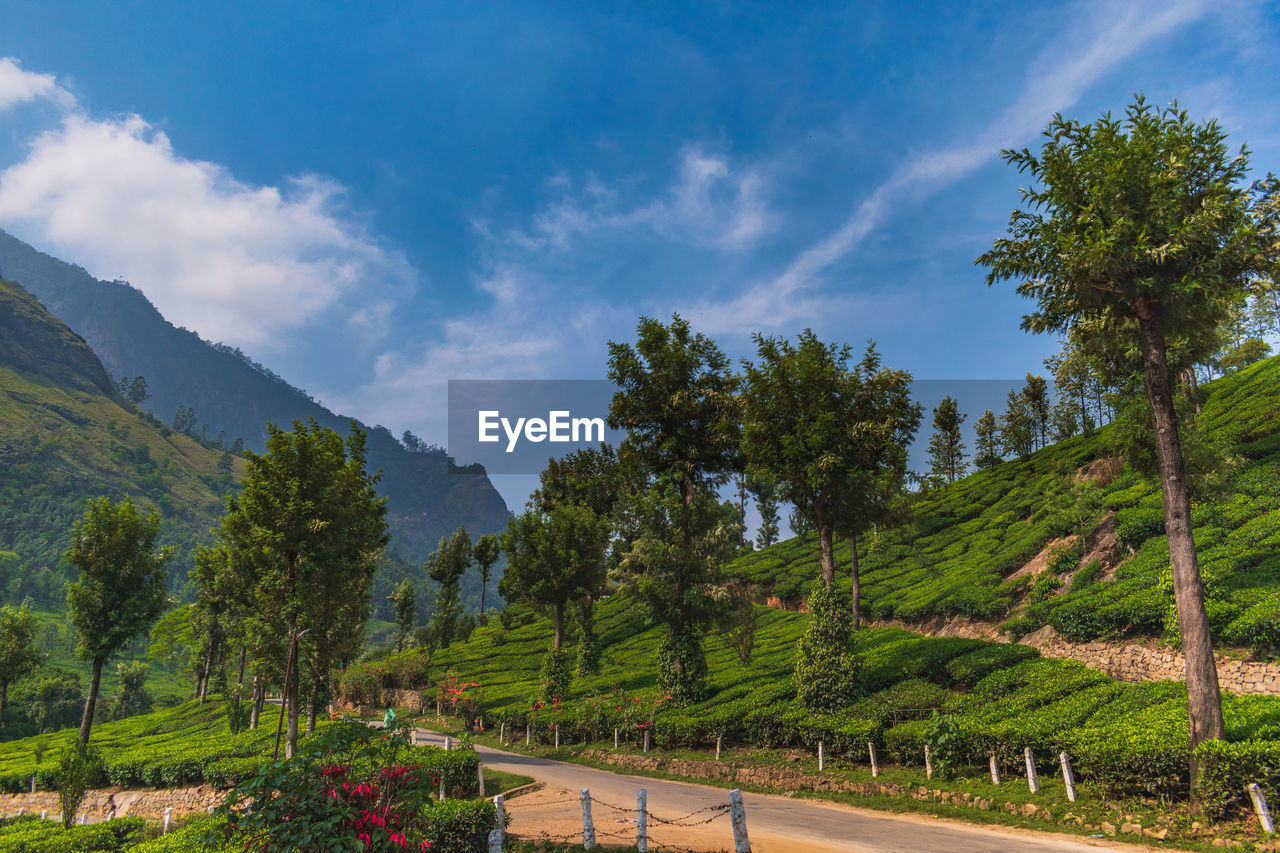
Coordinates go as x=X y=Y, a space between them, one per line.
x=642 y=821
x=168 y=816
x=1068 y=777
x=875 y=763
x=1033 y=781
x=821 y=758
x=738 y=816
x=588 y=828
x=1260 y=806
x=928 y=763
x=995 y=770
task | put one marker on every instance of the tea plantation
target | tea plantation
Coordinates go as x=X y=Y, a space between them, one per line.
x=963 y=541
x=1003 y=698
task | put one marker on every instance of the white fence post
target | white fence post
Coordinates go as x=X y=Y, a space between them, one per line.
x=480 y=775
x=719 y=743
x=995 y=770
x=527 y=731
x=495 y=841
x=448 y=743
x=557 y=735
x=500 y=817
x=615 y=738
x=642 y=821
x=442 y=787
x=1260 y=806
x=875 y=764
x=928 y=763
x=168 y=816
x=1033 y=781
x=646 y=739
x=588 y=829
x=502 y=734
x=1068 y=777
x=43 y=813
x=821 y=758
x=738 y=816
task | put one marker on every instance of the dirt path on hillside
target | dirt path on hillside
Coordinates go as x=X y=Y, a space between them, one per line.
x=775 y=824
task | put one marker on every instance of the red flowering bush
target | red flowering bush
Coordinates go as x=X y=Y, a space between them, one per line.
x=349 y=788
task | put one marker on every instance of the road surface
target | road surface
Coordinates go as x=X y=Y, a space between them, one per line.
x=776 y=824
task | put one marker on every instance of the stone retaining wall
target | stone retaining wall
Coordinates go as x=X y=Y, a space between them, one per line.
x=1137 y=662
x=147 y=803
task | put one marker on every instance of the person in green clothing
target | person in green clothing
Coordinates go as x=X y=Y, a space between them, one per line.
x=389 y=719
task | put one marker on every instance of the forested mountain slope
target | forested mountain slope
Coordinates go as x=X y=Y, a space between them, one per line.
x=1073 y=536
x=235 y=398
x=66 y=436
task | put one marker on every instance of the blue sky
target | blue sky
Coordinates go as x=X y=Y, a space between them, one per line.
x=373 y=199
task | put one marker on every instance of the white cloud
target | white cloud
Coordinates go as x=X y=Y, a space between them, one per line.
x=233 y=261
x=1059 y=77
x=18 y=86
x=711 y=203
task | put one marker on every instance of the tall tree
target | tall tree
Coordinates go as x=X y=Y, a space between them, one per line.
x=554 y=558
x=486 y=552
x=1035 y=397
x=829 y=435
x=18 y=655
x=988 y=440
x=405 y=599
x=446 y=567
x=1143 y=226
x=120 y=591
x=946 y=446
x=311 y=525
x=767 y=505
x=1017 y=432
x=677 y=400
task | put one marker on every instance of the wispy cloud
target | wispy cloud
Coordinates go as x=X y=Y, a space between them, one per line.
x=18 y=86
x=1107 y=36
x=712 y=202
x=235 y=261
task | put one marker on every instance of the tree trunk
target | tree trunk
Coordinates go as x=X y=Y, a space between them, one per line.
x=258 y=695
x=826 y=546
x=91 y=701
x=204 y=676
x=484 y=587
x=311 y=704
x=1204 y=702
x=290 y=699
x=4 y=695
x=244 y=653
x=559 y=625
x=856 y=588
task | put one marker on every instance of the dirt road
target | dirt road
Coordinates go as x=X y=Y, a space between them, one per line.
x=775 y=824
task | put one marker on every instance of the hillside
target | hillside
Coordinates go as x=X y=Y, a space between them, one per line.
x=235 y=398
x=1073 y=538
x=66 y=436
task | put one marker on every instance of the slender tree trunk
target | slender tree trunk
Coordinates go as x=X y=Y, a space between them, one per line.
x=311 y=704
x=258 y=695
x=244 y=653
x=290 y=699
x=484 y=587
x=204 y=676
x=559 y=625
x=826 y=545
x=1204 y=702
x=857 y=582
x=91 y=701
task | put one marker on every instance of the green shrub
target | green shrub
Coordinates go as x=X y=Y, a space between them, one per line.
x=29 y=834
x=79 y=768
x=827 y=670
x=556 y=675
x=689 y=684
x=1227 y=769
x=968 y=669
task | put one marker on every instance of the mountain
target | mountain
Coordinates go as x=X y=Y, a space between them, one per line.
x=233 y=397
x=67 y=435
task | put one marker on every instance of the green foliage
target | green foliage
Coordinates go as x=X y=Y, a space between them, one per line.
x=405 y=599
x=945 y=741
x=946 y=445
x=556 y=675
x=347 y=781
x=446 y=566
x=30 y=834
x=79 y=768
x=682 y=666
x=18 y=655
x=827 y=670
